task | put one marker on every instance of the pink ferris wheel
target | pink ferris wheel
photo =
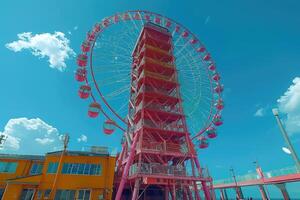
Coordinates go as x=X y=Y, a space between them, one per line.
x=105 y=67
x=153 y=79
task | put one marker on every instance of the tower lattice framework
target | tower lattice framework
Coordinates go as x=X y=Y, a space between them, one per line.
x=158 y=159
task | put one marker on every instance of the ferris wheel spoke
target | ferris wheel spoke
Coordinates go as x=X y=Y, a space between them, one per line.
x=185 y=60
x=142 y=21
x=118 y=44
x=102 y=84
x=133 y=21
x=123 y=51
x=119 y=65
x=120 y=51
x=131 y=28
x=119 y=78
x=109 y=69
x=118 y=91
x=122 y=67
x=182 y=48
x=122 y=107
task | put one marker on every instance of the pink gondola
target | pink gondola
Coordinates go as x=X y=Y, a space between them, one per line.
x=91 y=35
x=80 y=75
x=82 y=60
x=207 y=57
x=105 y=23
x=201 y=49
x=126 y=16
x=211 y=132
x=216 y=77
x=217 y=120
x=109 y=127
x=168 y=24
x=219 y=104
x=84 y=91
x=97 y=28
x=212 y=67
x=203 y=143
x=94 y=109
x=157 y=20
x=177 y=29
x=85 y=46
x=147 y=17
x=185 y=34
x=219 y=89
x=116 y=18
x=193 y=41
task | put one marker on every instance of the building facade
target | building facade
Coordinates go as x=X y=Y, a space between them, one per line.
x=57 y=175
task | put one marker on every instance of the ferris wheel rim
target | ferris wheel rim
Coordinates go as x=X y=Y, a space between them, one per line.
x=211 y=114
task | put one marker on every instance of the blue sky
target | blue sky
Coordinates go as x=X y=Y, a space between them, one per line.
x=255 y=44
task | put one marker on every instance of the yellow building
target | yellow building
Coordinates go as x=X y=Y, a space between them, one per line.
x=57 y=175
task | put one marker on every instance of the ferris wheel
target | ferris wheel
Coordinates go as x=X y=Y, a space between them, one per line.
x=104 y=69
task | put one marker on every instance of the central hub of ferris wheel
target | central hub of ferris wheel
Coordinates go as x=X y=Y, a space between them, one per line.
x=160 y=68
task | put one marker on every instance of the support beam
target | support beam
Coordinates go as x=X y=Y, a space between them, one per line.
x=189 y=193
x=263 y=192
x=166 y=193
x=174 y=191
x=212 y=191
x=136 y=189
x=239 y=193
x=185 y=194
x=126 y=169
x=197 y=195
x=283 y=191
x=223 y=194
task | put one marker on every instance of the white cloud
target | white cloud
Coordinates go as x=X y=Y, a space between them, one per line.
x=260 y=112
x=30 y=136
x=289 y=104
x=44 y=140
x=54 y=46
x=82 y=138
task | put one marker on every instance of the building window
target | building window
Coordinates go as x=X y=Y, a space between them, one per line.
x=27 y=194
x=39 y=194
x=52 y=167
x=65 y=194
x=1 y=192
x=47 y=193
x=8 y=167
x=81 y=168
x=83 y=194
x=36 y=168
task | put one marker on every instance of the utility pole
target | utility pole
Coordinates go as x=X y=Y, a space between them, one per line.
x=59 y=167
x=235 y=182
x=286 y=138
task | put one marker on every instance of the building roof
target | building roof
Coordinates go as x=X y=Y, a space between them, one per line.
x=40 y=157
x=21 y=157
x=79 y=153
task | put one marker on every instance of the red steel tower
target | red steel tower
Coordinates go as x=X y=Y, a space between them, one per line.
x=158 y=159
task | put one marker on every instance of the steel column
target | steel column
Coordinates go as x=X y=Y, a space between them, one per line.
x=283 y=191
x=263 y=192
x=127 y=166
